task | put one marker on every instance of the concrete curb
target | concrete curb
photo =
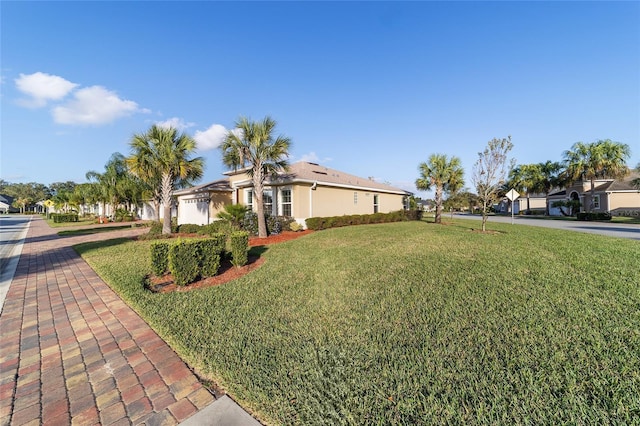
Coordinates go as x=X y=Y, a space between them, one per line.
x=9 y=269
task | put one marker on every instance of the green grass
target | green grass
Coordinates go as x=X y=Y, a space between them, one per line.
x=96 y=230
x=412 y=323
x=81 y=222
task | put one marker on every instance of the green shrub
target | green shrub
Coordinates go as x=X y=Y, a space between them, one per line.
x=189 y=228
x=64 y=217
x=295 y=226
x=275 y=224
x=159 y=257
x=123 y=215
x=240 y=248
x=318 y=223
x=234 y=214
x=209 y=252
x=584 y=216
x=218 y=227
x=184 y=264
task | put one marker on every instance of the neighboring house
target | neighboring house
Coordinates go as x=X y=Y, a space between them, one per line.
x=617 y=197
x=5 y=204
x=537 y=202
x=305 y=190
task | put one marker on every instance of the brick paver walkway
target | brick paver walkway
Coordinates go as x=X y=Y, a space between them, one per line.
x=72 y=352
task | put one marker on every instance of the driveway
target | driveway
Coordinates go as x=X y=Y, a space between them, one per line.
x=618 y=230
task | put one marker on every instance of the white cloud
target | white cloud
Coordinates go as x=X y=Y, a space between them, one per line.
x=210 y=138
x=94 y=105
x=176 y=123
x=312 y=157
x=41 y=88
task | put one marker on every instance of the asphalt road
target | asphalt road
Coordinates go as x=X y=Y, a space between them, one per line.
x=13 y=230
x=618 y=230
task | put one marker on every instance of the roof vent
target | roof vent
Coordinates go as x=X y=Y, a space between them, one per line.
x=313 y=164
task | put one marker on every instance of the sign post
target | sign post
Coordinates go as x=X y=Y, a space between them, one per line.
x=512 y=195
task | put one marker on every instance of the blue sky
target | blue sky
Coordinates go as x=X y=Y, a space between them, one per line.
x=369 y=88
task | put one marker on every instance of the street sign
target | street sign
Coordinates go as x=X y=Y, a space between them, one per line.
x=512 y=195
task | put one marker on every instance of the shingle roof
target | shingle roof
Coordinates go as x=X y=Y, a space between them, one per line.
x=303 y=171
x=220 y=185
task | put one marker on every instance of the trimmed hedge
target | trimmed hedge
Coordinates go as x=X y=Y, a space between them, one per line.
x=184 y=264
x=64 y=217
x=189 y=228
x=192 y=259
x=239 y=248
x=584 y=216
x=159 y=257
x=319 y=223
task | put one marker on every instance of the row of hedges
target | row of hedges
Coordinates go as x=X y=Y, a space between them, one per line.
x=275 y=224
x=318 y=223
x=188 y=260
x=584 y=216
x=63 y=217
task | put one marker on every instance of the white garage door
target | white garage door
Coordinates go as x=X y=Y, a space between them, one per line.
x=195 y=210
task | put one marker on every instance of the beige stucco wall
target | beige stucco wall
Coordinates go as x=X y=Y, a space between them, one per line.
x=331 y=201
x=218 y=200
x=623 y=203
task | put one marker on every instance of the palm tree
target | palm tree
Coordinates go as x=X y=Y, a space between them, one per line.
x=110 y=182
x=252 y=145
x=601 y=159
x=161 y=157
x=525 y=178
x=636 y=182
x=442 y=173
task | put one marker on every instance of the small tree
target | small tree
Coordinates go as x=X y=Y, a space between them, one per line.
x=234 y=214
x=490 y=171
x=442 y=173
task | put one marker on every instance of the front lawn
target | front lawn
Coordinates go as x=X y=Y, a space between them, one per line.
x=412 y=323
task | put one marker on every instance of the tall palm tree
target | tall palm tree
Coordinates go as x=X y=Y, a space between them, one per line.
x=549 y=178
x=601 y=159
x=443 y=174
x=525 y=178
x=110 y=182
x=163 y=156
x=252 y=144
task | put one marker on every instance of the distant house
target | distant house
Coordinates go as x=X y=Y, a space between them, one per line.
x=537 y=203
x=5 y=204
x=617 y=197
x=305 y=190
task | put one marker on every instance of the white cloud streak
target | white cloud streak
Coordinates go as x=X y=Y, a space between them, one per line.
x=211 y=138
x=41 y=88
x=176 y=123
x=94 y=105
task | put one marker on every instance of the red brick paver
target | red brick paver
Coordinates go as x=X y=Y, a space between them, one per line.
x=72 y=352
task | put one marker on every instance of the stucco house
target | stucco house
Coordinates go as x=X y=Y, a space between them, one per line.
x=5 y=204
x=305 y=190
x=617 y=197
x=537 y=204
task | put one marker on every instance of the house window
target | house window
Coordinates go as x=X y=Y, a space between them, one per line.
x=375 y=203
x=267 y=201
x=249 y=200
x=355 y=198
x=285 y=202
x=596 y=202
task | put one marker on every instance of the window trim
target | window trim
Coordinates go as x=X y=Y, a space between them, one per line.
x=282 y=203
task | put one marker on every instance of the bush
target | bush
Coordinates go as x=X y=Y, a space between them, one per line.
x=156 y=228
x=295 y=226
x=189 y=228
x=64 y=217
x=275 y=224
x=209 y=252
x=159 y=257
x=318 y=223
x=234 y=214
x=239 y=248
x=183 y=264
x=218 y=227
x=584 y=216
x=123 y=215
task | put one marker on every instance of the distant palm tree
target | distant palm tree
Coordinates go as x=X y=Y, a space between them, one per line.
x=252 y=144
x=109 y=183
x=162 y=157
x=443 y=174
x=636 y=181
x=591 y=161
x=525 y=178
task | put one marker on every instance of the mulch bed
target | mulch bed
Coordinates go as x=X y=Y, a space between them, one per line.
x=227 y=272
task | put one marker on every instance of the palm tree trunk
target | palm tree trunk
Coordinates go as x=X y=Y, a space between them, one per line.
x=593 y=190
x=166 y=200
x=438 y=203
x=258 y=188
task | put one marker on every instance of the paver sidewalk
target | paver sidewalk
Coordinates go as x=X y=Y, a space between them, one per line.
x=72 y=352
